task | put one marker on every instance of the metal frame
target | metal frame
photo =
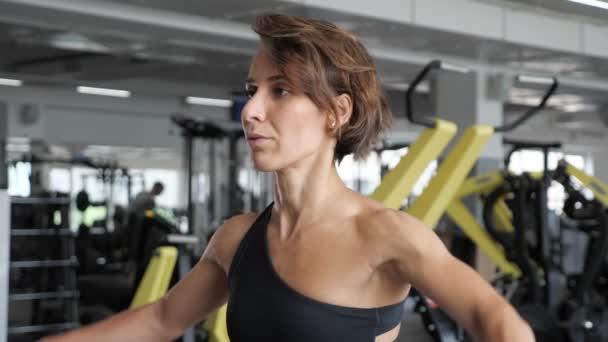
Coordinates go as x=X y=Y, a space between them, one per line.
x=5 y=240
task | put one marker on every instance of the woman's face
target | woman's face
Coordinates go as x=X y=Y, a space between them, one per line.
x=283 y=126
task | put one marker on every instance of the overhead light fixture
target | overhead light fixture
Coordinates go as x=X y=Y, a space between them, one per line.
x=534 y=79
x=579 y=107
x=398 y=85
x=455 y=68
x=103 y=91
x=10 y=82
x=77 y=42
x=205 y=101
x=594 y=3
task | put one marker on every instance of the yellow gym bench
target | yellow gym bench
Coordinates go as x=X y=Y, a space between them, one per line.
x=155 y=281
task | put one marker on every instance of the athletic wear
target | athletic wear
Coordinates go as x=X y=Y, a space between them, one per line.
x=262 y=307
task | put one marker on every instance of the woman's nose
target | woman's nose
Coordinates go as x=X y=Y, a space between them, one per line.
x=253 y=109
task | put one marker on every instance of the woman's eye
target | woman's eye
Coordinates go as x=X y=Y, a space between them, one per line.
x=280 y=92
x=250 y=91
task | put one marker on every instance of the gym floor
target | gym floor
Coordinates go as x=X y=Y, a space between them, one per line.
x=412 y=330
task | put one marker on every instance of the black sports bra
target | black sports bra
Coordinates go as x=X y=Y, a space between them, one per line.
x=262 y=307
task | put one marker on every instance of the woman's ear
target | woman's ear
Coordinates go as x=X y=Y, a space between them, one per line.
x=344 y=109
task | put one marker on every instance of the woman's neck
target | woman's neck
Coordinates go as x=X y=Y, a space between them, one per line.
x=304 y=193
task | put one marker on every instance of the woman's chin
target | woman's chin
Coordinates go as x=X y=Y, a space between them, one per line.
x=263 y=165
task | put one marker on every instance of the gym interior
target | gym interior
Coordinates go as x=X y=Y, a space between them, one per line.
x=122 y=150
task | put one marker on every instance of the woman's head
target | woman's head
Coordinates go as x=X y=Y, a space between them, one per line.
x=328 y=67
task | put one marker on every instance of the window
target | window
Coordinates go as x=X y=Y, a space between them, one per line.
x=60 y=180
x=360 y=175
x=532 y=161
x=19 y=179
x=170 y=179
x=391 y=158
x=364 y=175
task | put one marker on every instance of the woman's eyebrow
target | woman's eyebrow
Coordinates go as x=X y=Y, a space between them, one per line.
x=269 y=78
x=275 y=78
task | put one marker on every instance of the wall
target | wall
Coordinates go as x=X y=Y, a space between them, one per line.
x=600 y=164
x=61 y=116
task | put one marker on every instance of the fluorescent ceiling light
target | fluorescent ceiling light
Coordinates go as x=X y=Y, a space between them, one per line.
x=76 y=41
x=534 y=79
x=423 y=87
x=455 y=68
x=103 y=91
x=594 y=3
x=579 y=107
x=205 y=101
x=11 y=82
x=402 y=86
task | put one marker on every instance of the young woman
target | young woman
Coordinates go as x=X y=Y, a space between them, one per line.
x=321 y=263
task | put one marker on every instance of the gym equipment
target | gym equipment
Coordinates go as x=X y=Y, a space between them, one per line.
x=108 y=172
x=215 y=135
x=215 y=325
x=483 y=184
x=556 y=311
x=441 y=191
x=161 y=270
x=461 y=216
x=43 y=297
x=397 y=184
x=384 y=168
x=155 y=281
x=509 y=247
x=5 y=242
x=158 y=257
x=586 y=310
x=528 y=298
x=191 y=129
x=113 y=283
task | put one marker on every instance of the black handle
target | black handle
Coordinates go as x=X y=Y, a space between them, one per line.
x=409 y=112
x=530 y=113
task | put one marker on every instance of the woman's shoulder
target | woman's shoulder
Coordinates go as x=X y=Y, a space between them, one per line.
x=376 y=219
x=391 y=230
x=225 y=241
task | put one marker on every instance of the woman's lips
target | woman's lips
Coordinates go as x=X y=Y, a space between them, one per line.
x=257 y=140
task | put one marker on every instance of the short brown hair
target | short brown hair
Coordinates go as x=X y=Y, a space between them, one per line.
x=323 y=61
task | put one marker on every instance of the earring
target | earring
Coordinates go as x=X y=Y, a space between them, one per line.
x=332 y=125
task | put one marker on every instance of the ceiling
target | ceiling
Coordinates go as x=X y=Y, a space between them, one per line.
x=236 y=9
x=563 y=6
x=52 y=55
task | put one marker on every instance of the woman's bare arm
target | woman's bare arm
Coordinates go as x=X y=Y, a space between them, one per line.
x=421 y=259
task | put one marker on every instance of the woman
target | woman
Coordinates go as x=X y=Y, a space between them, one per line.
x=322 y=263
